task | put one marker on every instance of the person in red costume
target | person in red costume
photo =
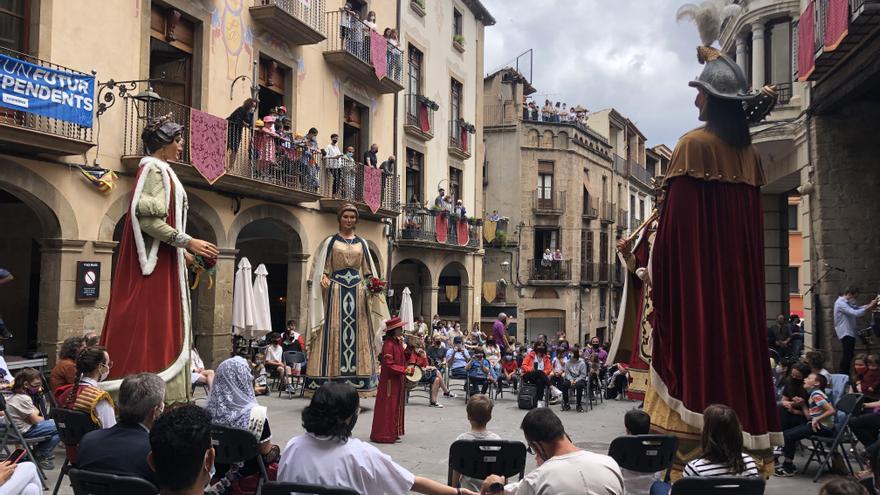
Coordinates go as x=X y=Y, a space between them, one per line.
x=388 y=418
x=147 y=324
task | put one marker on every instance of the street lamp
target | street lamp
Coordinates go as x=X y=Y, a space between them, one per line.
x=110 y=90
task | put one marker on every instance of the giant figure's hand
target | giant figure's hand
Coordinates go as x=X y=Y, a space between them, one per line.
x=203 y=248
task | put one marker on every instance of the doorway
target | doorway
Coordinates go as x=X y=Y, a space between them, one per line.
x=356 y=130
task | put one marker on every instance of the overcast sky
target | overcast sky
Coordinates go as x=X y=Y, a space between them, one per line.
x=626 y=54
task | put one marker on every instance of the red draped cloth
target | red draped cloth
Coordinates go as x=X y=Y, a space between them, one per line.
x=143 y=326
x=639 y=359
x=710 y=337
x=388 y=417
x=463 y=233
x=424 y=123
x=441 y=227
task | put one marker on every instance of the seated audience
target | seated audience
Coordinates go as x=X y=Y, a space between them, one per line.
x=821 y=421
x=27 y=418
x=816 y=361
x=200 y=375
x=536 y=369
x=562 y=467
x=479 y=372
x=232 y=403
x=260 y=375
x=92 y=366
x=843 y=486
x=457 y=357
x=479 y=413
x=870 y=384
x=866 y=428
x=859 y=369
x=637 y=422
x=575 y=376
x=794 y=396
x=123 y=448
x=181 y=454
x=722 y=444
x=327 y=454
x=273 y=363
x=431 y=376
x=20 y=479
x=64 y=372
x=91 y=339
x=509 y=369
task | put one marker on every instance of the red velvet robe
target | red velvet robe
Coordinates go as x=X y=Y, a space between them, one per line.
x=388 y=416
x=143 y=327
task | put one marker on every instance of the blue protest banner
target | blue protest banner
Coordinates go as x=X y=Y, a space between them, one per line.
x=59 y=94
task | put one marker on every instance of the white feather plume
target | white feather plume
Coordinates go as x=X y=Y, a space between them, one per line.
x=708 y=16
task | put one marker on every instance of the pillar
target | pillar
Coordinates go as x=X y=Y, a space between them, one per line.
x=466 y=293
x=214 y=332
x=430 y=301
x=59 y=316
x=297 y=275
x=741 y=56
x=757 y=55
x=776 y=255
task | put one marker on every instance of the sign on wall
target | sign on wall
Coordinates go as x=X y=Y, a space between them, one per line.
x=88 y=280
x=54 y=93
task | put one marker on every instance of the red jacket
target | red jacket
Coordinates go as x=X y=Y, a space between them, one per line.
x=529 y=363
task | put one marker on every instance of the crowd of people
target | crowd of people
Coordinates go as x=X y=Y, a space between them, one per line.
x=355 y=36
x=555 y=112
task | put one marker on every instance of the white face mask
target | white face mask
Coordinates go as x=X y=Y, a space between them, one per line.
x=104 y=373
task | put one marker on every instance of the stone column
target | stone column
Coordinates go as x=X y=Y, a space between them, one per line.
x=214 y=332
x=297 y=289
x=776 y=255
x=430 y=301
x=465 y=294
x=59 y=316
x=757 y=55
x=741 y=55
x=103 y=252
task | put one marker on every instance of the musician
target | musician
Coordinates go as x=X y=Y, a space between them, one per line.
x=388 y=418
x=419 y=358
x=845 y=313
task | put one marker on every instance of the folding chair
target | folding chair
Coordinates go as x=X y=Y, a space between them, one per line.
x=645 y=453
x=279 y=488
x=93 y=483
x=203 y=386
x=233 y=445
x=466 y=384
x=479 y=458
x=291 y=358
x=847 y=405
x=72 y=426
x=8 y=431
x=718 y=485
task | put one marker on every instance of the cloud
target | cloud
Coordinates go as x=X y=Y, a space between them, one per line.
x=626 y=54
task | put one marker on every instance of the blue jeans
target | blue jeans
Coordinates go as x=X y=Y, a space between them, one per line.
x=45 y=428
x=794 y=435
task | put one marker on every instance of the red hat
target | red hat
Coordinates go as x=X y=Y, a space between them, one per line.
x=393 y=324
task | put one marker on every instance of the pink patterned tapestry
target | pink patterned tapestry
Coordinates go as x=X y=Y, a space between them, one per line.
x=837 y=23
x=207 y=145
x=463 y=235
x=441 y=225
x=379 y=53
x=806 y=43
x=372 y=188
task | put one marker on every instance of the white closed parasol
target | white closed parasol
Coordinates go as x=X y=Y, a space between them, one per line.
x=262 y=315
x=406 y=310
x=243 y=301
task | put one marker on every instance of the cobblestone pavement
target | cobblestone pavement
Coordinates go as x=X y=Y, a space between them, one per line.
x=430 y=431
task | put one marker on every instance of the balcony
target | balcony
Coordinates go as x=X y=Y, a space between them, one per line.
x=419 y=117
x=291 y=20
x=641 y=174
x=258 y=164
x=29 y=133
x=589 y=272
x=606 y=215
x=622 y=218
x=419 y=228
x=591 y=209
x=864 y=17
x=546 y=272
x=459 y=140
x=620 y=165
x=784 y=92
x=548 y=203
x=502 y=235
x=347 y=181
x=353 y=47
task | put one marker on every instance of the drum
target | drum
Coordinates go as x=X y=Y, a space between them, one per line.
x=413 y=376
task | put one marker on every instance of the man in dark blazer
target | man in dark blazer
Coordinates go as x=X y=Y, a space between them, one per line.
x=123 y=448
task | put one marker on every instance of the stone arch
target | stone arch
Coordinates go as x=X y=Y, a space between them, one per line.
x=376 y=253
x=454 y=299
x=56 y=216
x=547 y=139
x=201 y=213
x=562 y=139
x=275 y=213
x=415 y=274
x=534 y=138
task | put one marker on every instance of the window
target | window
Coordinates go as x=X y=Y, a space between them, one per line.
x=586 y=205
x=415 y=163
x=355 y=129
x=545 y=191
x=172 y=39
x=14 y=24
x=414 y=58
x=793 y=218
x=546 y=239
x=274 y=79
x=603 y=303
x=793 y=282
x=455 y=99
x=455 y=183
x=456 y=22
x=642 y=216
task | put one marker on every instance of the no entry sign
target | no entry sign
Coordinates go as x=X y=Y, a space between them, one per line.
x=88 y=280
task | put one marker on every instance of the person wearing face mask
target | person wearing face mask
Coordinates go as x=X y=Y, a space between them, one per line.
x=181 y=454
x=92 y=366
x=123 y=449
x=332 y=161
x=794 y=396
x=327 y=454
x=536 y=368
x=27 y=418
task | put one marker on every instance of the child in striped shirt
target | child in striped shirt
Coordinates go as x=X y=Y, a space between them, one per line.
x=722 y=446
x=821 y=413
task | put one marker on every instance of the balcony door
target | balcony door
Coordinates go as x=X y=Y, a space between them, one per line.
x=414 y=58
x=355 y=127
x=172 y=40
x=14 y=20
x=274 y=81
x=414 y=166
x=545 y=185
x=545 y=239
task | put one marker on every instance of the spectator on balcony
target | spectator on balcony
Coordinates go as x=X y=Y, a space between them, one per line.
x=333 y=162
x=557 y=255
x=495 y=216
x=439 y=200
x=394 y=63
x=547 y=260
x=459 y=209
x=533 y=109
x=547 y=111
x=370 y=22
x=240 y=118
x=448 y=205
x=563 y=114
x=350 y=29
x=371 y=159
x=388 y=166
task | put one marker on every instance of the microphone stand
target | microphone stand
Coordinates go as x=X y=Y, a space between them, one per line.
x=817 y=309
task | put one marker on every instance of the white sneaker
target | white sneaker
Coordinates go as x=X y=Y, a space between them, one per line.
x=555 y=391
x=541 y=403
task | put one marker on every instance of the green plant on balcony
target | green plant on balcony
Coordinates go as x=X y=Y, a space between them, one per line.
x=454 y=217
x=420 y=3
x=467 y=126
x=429 y=103
x=501 y=238
x=459 y=39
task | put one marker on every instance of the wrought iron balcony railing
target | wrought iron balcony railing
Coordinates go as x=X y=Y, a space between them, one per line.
x=345 y=179
x=295 y=21
x=420 y=224
x=350 y=46
x=459 y=139
x=548 y=202
x=550 y=270
x=419 y=116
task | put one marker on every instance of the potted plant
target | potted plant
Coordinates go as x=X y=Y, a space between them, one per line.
x=501 y=238
x=458 y=42
x=429 y=103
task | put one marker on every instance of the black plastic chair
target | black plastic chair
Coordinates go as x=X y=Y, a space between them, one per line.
x=718 y=485
x=644 y=453
x=72 y=426
x=233 y=445
x=848 y=404
x=479 y=458
x=290 y=358
x=280 y=488
x=8 y=431
x=93 y=483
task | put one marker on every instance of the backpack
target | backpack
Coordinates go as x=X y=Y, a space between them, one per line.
x=528 y=396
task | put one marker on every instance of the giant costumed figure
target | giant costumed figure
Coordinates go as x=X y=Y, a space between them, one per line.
x=342 y=312
x=706 y=267
x=147 y=325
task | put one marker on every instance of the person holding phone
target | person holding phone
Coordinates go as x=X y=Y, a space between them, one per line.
x=480 y=371
x=457 y=357
x=27 y=418
x=19 y=478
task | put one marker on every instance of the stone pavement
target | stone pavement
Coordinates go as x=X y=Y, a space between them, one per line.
x=430 y=431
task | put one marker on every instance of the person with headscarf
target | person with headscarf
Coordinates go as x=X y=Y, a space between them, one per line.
x=232 y=403
x=149 y=308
